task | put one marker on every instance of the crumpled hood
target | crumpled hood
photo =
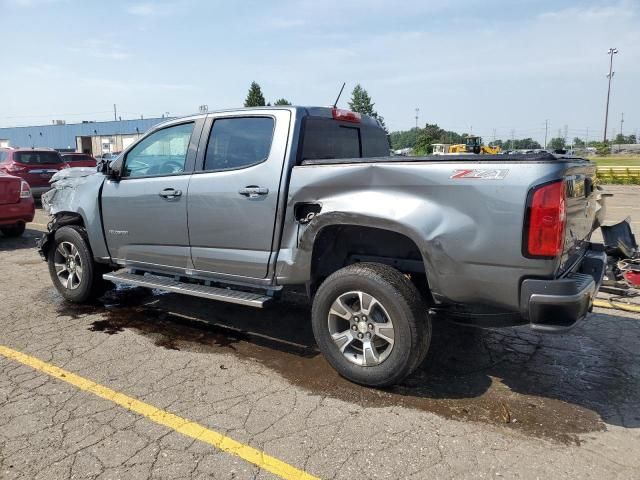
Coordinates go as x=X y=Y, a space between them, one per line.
x=66 y=184
x=74 y=172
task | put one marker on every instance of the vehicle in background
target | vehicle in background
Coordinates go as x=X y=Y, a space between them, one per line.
x=403 y=152
x=79 y=159
x=473 y=144
x=108 y=157
x=36 y=166
x=16 y=205
x=440 y=148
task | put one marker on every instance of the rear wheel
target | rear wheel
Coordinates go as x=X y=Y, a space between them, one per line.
x=371 y=324
x=71 y=266
x=13 y=230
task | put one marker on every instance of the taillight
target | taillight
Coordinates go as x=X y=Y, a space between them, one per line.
x=25 y=191
x=546 y=218
x=345 y=115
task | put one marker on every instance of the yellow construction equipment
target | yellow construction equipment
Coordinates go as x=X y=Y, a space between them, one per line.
x=473 y=144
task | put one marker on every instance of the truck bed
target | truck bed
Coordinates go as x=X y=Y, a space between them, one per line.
x=465 y=213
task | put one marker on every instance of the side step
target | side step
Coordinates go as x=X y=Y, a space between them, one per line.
x=171 y=285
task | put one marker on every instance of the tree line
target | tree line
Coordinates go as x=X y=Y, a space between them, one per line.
x=360 y=101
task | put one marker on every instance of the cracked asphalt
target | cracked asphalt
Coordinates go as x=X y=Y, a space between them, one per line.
x=486 y=403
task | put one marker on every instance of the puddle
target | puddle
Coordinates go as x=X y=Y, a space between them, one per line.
x=556 y=387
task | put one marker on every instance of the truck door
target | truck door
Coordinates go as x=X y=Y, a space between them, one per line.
x=233 y=194
x=145 y=211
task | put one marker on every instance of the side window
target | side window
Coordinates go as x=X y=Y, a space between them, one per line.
x=161 y=153
x=238 y=142
x=3 y=156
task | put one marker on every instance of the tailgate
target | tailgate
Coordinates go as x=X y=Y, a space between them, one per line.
x=582 y=211
x=9 y=189
x=39 y=175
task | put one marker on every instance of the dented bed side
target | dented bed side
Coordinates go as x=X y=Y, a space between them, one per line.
x=468 y=230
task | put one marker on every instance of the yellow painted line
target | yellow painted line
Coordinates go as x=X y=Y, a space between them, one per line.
x=162 y=417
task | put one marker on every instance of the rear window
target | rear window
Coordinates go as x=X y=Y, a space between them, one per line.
x=76 y=158
x=37 y=158
x=325 y=138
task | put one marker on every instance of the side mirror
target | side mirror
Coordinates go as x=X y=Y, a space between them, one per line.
x=114 y=169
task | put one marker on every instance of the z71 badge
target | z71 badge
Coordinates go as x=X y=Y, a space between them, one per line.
x=480 y=174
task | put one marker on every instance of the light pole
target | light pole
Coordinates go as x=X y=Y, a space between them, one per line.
x=546 y=131
x=611 y=53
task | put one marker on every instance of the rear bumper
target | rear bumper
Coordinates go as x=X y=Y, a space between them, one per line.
x=23 y=211
x=557 y=305
x=38 y=191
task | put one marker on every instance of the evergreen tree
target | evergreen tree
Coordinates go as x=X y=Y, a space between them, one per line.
x=282 y=101
x=361 y=102
x=254 y=97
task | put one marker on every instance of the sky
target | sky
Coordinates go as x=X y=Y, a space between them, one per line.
x=486 y=66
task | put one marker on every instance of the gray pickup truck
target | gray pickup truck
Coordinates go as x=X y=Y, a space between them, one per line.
x=238 y=205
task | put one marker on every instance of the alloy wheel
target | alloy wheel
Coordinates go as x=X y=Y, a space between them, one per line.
x=361 y=328
x=68 y=265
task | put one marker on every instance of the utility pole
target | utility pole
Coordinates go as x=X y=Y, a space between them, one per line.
x=494 y=136
x=611 y=53
x=621 y=122
x=417 y=114
x=115 y=113
x=586 y=142
x=546 y=131
x=513 y=139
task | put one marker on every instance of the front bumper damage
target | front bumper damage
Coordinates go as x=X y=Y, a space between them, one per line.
x=61 y=198
x=559 y=304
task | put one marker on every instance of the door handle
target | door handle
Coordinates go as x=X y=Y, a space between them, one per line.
x=170 y=193
x=253 y=191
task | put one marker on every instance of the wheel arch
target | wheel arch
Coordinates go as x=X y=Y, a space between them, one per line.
x=339 y=241
x=58 y=220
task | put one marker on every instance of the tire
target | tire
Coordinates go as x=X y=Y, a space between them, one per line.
x=398 y=312
x=14 y=230
x=86 y=283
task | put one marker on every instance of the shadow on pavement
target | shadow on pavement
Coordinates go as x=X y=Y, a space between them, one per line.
x=27 y=240
x=553 y=386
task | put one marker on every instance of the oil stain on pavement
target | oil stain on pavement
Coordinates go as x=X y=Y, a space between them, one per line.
x=553 y=386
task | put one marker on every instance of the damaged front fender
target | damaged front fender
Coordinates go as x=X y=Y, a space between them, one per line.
x=64 y=188
x=75 y=199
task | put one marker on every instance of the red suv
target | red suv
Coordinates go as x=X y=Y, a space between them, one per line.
x=79 y=159
x=16 y=205
x=35 y=166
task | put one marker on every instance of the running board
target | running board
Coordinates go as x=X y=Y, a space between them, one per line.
x=195 y=290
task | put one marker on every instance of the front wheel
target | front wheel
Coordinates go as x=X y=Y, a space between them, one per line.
x=371 y=324
x=71 y=266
